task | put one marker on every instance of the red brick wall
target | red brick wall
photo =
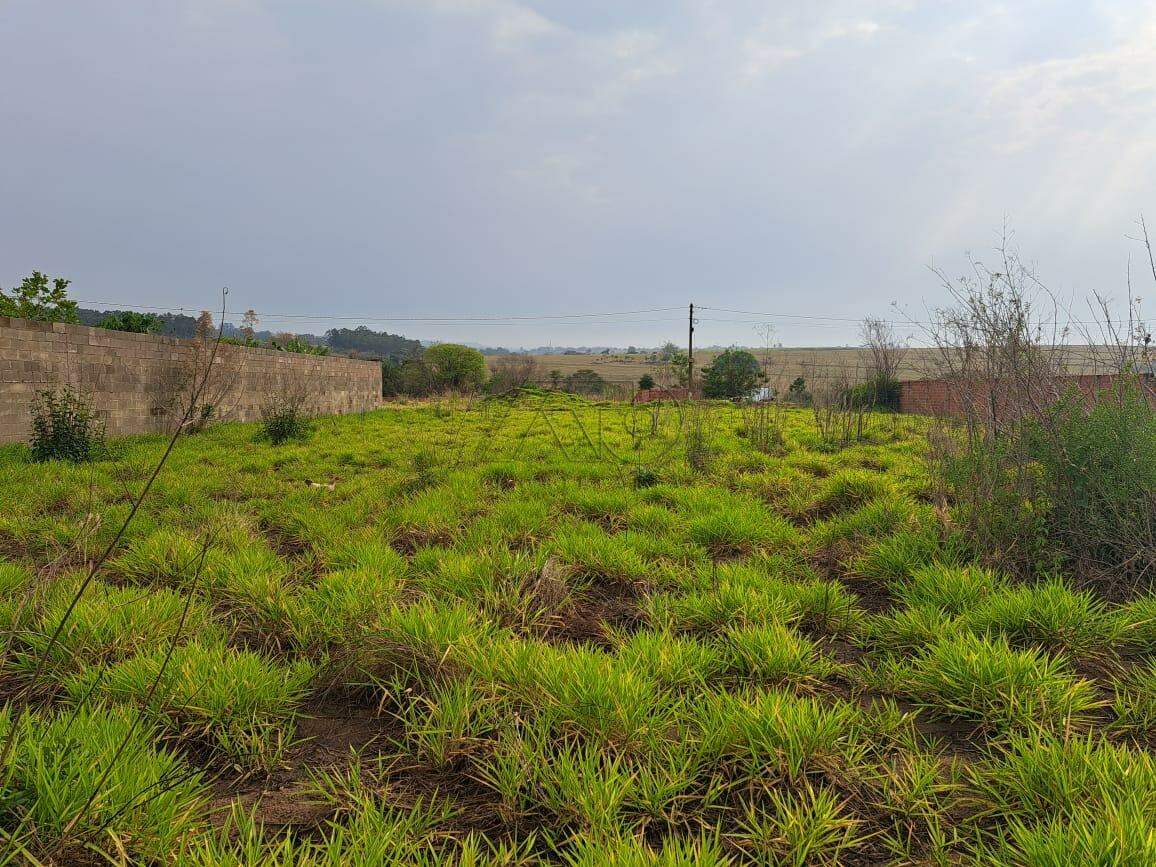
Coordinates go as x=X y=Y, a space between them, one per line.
x=647 y=395
x=941 y=397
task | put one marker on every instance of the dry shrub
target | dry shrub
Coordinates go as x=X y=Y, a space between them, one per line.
x=511 y=372
x=1045 y=470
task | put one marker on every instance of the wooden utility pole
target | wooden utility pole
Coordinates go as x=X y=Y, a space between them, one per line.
x=690 y=355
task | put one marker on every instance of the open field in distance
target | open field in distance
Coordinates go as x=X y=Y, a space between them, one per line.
x=783 y=365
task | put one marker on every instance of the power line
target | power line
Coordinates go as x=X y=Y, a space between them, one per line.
x=468 y=318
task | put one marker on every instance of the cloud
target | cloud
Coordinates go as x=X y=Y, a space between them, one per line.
x=470 y=155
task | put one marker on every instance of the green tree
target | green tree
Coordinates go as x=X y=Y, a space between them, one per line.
x=585 y=381
x=734 y=373
x=35 y=299
x=128 y=320
x=646 y=382
x=676 y=369
x=797 y=392
x=456 y=366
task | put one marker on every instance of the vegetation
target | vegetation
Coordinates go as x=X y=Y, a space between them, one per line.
x=511 y=372
x=35 y=299
x=646 y=382
x=283 y=418
x=733 y=374
x=65 y=427
x=372 y=344
x=297 y=343
x=584 y=381
x=456 y=367
x=544 y=630
x=1046 y=474
x=128 y=320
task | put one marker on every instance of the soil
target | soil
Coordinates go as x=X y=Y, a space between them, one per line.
x=332 y=730
x=587 y=614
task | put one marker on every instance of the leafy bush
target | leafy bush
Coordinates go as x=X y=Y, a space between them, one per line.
x=646 y=382
x=65 y=427
x=411 y=377
x=1099 y=478
x=584 y=381
x=297 y=343
x=456 y=367
x=128 y=320
x=283 y=420
x=797 y=392
x=879 y=392
x=511 y=372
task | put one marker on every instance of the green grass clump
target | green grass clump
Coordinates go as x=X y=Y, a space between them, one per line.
x=1135 y=623
x=773 y=734
x=597 y=555
x=773 y=654
x=673 y=661
x=144 y=800
x=16 y=591
x=1048 y=615
x=1064 y=800
x=849 y=489
x=987 y=681
x=580 y=691
x=165 y=557
x=952 y=589
x=107 y=624
x=734 y=533
x=236 y=702
x=339 y=610
x=1135 y=699
x=805 y=826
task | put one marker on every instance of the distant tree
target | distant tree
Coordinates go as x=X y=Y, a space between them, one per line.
x=555 y=379
x=35 y=299
x=513 y=371
x=734 y=373
x=128 y=320
x=249 y=324
x=631 y=350
x=205 y=324
x=668 y=351
x=585 y=381
x=456 y=366
x=673 y=371
x=646 y=382
x=297 y=343
x=797 y=392
x=171 y=324
x=373 y=344
x=886 y=349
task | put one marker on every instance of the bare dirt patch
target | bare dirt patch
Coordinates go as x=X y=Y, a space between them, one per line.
x=588 y=614
x=332 y=731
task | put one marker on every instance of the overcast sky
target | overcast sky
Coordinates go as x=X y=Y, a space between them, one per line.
x=363 y=158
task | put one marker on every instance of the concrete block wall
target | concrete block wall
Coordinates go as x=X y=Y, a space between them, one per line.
x=134 y=380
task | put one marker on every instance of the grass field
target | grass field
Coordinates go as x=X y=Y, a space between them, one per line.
x=816 y=365
x=552 y=632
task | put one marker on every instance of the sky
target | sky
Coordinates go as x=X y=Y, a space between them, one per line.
x=437 y=167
